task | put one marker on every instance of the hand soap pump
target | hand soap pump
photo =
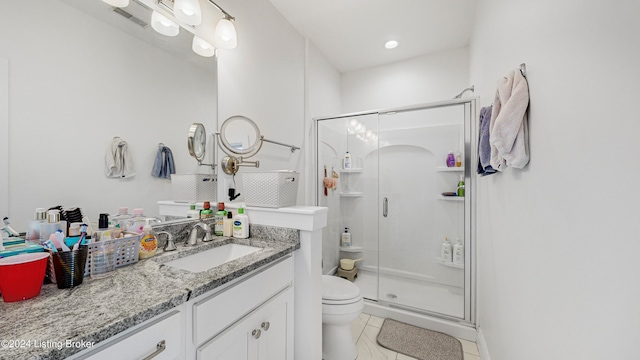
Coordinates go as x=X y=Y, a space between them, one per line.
x=345 y=239
x=446 y=254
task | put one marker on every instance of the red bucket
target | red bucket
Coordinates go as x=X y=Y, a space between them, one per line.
x=21 y=275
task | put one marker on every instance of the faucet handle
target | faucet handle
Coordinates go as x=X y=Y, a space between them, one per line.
x=170 y=245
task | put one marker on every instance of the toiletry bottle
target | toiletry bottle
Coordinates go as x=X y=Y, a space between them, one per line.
x=228 y=225
x=461 y=186
x=346 y=163
x=122 y=218
x=148 y=243
x=345 y=238
x=220 y=215
x=206 y=211
x=241 y=225
x=34 y=225
x=136 y=223
x=451 y=159
x=458 y=253
x=446 y=253
x=52 y=225
x=193 y=213
x=458 y=160
x=104 y=231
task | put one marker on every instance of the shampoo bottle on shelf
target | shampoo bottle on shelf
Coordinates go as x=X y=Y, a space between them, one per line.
x=451 y=159
x=345 y=239
x=241 y=225
x=446 y=254
x=458 y=253
x=346 y=163
x=461 y=186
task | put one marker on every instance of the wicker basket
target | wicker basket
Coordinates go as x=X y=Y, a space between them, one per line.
x=194 y=187
x=270 y=188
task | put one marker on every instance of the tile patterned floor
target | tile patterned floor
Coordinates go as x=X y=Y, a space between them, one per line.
x=365 y=330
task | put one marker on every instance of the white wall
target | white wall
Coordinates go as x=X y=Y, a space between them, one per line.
x=263 y=79
x=557 y=241
x=74 y=84
x=420 y=80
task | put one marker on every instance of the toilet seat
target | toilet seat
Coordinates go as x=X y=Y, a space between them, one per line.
x=336 y=290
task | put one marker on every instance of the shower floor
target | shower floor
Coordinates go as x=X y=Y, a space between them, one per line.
x=413 y=293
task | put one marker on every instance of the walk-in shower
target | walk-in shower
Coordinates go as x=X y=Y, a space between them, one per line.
x=392 y=204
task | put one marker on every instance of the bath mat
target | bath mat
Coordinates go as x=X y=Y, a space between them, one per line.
x=419 y=343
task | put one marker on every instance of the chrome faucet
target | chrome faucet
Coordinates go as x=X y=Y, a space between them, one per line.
x=169 y=245
x=193 y=234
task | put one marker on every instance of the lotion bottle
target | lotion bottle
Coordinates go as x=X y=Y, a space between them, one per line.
x=446 y=253
x=345 y=238
x=228 y=225
x=458 y=253
x=241 y=225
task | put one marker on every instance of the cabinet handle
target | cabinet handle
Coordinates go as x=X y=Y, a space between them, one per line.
x=265 y=325
x=385 y=207
x=256 y=333
x=159 y=348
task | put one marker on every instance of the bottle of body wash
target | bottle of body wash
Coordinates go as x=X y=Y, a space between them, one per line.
x=458 y=253
x=346 y=163
x=345 y=238
x=461 y=186
x=446 y=253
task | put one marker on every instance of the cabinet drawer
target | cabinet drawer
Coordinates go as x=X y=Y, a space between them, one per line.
x=143 y=341
x=213 y=314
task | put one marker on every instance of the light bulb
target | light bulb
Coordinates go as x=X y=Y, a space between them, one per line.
x=391 y=44
x=117 y=3
x=353 y=123
x=202 y=47
x=164 y=25
x=188 y=12
x=225 y=35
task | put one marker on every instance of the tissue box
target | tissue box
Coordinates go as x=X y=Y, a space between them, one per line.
x=270 y=188
x=194 y=187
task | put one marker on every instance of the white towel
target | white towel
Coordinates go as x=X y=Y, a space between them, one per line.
x=118 y=160
x=509 y=133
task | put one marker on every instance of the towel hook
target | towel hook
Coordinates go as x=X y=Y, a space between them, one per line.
x=523 y=69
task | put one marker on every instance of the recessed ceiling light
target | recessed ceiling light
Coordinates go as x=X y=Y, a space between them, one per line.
x=391 y=44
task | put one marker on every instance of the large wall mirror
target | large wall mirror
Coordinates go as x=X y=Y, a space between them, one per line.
x=79 y=75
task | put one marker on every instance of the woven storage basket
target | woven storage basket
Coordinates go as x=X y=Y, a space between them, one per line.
x=194 y=187
x=270 y=188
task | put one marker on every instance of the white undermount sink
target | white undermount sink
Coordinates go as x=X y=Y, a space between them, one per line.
x=211 y=258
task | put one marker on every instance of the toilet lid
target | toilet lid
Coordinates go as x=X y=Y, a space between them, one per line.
x=336 y=288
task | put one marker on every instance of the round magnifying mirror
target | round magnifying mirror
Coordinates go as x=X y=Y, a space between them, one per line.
x=197 y=141
x=240 y=135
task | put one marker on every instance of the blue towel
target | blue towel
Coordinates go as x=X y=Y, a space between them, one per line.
x=484 y=147
x=163 y=167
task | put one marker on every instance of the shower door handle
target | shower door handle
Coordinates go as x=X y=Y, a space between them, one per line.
x=385 y=207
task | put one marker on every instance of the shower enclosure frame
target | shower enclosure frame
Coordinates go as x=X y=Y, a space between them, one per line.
x=462 y=327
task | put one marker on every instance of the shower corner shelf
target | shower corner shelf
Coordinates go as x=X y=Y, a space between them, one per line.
x=451 y=198
x=450 y=169
x=351 y=249
x=353 y=170
x=450 y=264
x=351 y=194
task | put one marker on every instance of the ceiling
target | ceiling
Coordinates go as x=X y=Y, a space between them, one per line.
x=352 y=33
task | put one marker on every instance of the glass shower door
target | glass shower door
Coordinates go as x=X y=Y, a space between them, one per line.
x=414 y=218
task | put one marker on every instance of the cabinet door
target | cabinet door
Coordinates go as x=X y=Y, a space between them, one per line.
x=264 y=334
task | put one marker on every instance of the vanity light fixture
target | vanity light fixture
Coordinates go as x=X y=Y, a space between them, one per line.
x=188 y=11
x=225 y=36
x=391 y=44
x=117 y=3
x=164 y=25
x=202 y=47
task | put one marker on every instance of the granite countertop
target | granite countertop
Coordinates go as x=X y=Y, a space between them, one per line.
x=42 y=327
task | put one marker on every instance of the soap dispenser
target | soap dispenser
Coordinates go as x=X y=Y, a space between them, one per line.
x=446 y=253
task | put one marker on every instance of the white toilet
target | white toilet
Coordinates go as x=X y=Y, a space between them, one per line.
x=341 y=304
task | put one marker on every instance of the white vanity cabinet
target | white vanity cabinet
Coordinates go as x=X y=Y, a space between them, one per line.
x=252 y=319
